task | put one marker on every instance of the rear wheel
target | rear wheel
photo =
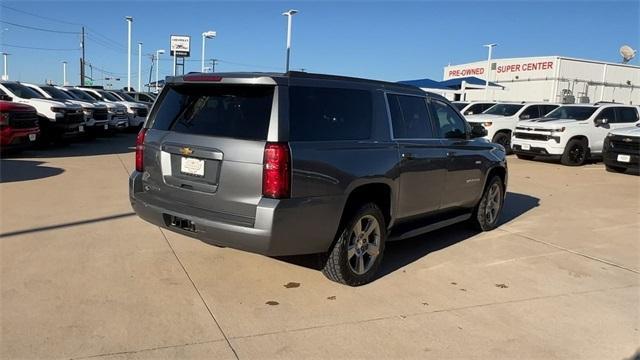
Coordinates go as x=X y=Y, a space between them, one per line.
x=487 y=212
x=503 y=139
x=575 y=154
x=525 y=157
x=357 y=253
x=616 y=169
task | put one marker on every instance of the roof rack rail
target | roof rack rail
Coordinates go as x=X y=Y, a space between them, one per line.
x=606 y=102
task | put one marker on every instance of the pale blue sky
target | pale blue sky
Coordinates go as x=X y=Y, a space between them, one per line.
x=387 y=40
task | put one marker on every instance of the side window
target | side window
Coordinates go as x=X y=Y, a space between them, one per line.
x=323 y=114
x=485 y=107
x=545 y=109
x=609 y=114
x=451 y=125
x=626 y=115
x=530 y=112
x=409 y=117
x=475 y=109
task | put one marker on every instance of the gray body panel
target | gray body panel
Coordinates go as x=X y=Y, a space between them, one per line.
x=226 y=206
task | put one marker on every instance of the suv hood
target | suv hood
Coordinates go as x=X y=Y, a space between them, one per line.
x=633 y=131
x=50 y=102
x=547 y=123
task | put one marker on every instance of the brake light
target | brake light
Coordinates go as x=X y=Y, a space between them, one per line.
x=140 y=149
x=200 y=77
x=276 y=171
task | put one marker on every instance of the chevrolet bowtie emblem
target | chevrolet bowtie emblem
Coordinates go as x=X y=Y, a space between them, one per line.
x=626 y=140
x=186 y=151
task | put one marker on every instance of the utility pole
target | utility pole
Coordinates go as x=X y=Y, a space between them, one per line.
x=5 y=75
x=486 y=81
x=289 y=14
x=129 y=21
x=82 y=59
x=213 y=65
x=139 y=66
x=64 y=73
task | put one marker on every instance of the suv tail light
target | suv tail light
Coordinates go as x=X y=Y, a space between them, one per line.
x=276 y=171
x=140 y=149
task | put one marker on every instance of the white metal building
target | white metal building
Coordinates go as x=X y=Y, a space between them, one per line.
x=550 y=78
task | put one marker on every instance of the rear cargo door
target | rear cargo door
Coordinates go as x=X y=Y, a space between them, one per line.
x=204 y=149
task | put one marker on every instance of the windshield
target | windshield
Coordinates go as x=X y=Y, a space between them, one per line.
x=125 y=96
x=108 y=96
x=56 y=93
x=22 y=91
x=459 y=105
x=571 y=112
x=83 y=95
x=504 y=109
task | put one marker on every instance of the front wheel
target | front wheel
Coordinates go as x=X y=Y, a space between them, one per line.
x=575 y=154
x=357 y=253
x=503 y=139
x=487 y=212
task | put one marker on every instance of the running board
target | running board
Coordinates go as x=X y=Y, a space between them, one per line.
x=430 y=227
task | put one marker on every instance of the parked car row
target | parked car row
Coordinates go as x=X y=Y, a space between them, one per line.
x=64 y=112
x=572 y=133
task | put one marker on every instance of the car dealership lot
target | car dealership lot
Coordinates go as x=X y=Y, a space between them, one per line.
x=82 y=276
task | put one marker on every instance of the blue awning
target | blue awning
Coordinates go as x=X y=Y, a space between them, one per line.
x=471 y=80
x=451 y=84
x=425 y=83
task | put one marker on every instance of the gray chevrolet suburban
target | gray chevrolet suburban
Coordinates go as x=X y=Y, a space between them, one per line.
x=300 y=163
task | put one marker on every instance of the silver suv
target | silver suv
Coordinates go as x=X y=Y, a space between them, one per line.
x=298 y=163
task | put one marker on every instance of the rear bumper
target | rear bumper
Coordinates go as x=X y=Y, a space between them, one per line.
x=280 y=227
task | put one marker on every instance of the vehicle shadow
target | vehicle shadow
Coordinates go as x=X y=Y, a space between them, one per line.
x=120 y=143
x=23 y=170
x=401 y=253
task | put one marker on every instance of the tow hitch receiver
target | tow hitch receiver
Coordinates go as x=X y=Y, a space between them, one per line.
x=184 y=224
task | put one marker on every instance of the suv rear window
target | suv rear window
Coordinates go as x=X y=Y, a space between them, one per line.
x=320 y=114
x=240 y=112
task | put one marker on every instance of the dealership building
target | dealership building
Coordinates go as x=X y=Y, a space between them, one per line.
x=547 y=78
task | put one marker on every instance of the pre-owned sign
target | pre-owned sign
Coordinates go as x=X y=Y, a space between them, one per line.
x=180 y=45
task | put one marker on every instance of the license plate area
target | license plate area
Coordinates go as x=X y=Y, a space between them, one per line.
x=192 y=169
x=525 y=147
x=624 y=158
x=192 y=166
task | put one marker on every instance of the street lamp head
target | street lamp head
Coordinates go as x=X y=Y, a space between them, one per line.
x=128 y=18
x=489 y=45
x=160 y=51
x=209 y=34
x=290 y=12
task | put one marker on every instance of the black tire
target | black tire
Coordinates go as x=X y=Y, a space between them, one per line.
x=575 y=153
x=616 y=169
x=340 y=266
x=486 y=216
x=503 y=139
x=525 y=157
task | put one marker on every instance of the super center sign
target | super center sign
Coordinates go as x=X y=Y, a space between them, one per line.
x=502 y=68
x=180 y=45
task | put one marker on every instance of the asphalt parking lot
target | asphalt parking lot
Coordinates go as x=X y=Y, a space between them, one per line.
x=83 y=277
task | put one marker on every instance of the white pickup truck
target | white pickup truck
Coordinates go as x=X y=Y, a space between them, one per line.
x=574 y=133
x=57 y=119
x=473 y=107
x=95 y=114
x=134 y=109
x=118 y=118
x=501 y=119
x=621 y=150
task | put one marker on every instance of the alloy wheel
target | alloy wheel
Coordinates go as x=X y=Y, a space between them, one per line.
x=363 y=246
x=494 y=201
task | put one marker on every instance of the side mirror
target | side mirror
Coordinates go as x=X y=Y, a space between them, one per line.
x=5 y=97
x=478 y=131
x=601 y=121
x=525 y=117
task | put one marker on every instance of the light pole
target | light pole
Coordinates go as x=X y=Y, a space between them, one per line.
x=206 y=35
x=486 y=82
x=129 y=21
x=5 y=75
x=158 y=52
x=289 y=14
x=64 y=73
x=139 y=66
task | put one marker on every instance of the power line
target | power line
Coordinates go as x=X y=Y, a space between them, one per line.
x=38 y=48
x=40 y=29
x=105 y=38
x=105 y=44
x=39 y=16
